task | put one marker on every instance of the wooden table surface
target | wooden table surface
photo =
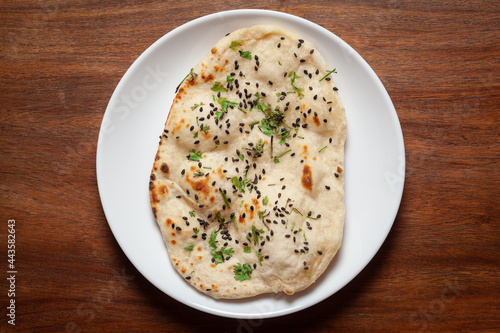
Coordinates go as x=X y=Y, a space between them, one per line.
x=438 y=270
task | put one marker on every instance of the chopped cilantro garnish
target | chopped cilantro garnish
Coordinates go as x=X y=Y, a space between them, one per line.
x=198 y=173
x=218 y=87
x=196 y=105
x=240 y=185
x=224 y=104
x=260 y=257
x=189 y=248
x=196 y=231
x=205 y=129
x=276 y=158
x=255 y=234
x=265 y=200
x=191 y=73
x=192 y=213
x=322 y=149
x=328 y=72
x=235 y=43
x=299 y=91
x=195 y=135
x=195 y=155
x=225 y=198
x=245 y=54
x=229 y=79
x=242 y=273
x=219 y=256
x=211 y=242
x=247 y=249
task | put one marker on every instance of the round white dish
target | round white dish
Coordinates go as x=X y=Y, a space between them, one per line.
x=134 y=120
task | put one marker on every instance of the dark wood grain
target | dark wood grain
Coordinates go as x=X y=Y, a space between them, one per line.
x=438 y=270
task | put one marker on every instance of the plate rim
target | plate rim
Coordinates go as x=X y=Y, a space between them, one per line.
x=225 y=15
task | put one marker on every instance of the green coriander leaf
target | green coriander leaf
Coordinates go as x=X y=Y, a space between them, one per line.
x=225 y=198
x=322 y=149
x=299 y=91
x=247 y=249
x=328 y=72
x=195 y=155
x=196 y=105
x=218 y=87
x=242 y=273
x=230 y=79
x=276 y=158
x=260 y=257
x=211 y=242
x=195 y=135
x=235 y=43
x=196 y=231
x=189 y=248
x=191 y=213
x=245 y=54
x=265 y=200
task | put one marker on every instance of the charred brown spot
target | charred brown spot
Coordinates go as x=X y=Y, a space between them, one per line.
x=169 y=222
x=199 y=248
x=304 y=151
x=215 y=287
x=153 y=197
x=154 y=212
x=241 y=219
x=316 y=121
x=208 y=78
x=163 y=189
x=200 y=185
x=220 y=173
x=152 y=176
x=307 y=178
x=213 y=50
x=256 y=203
x=164 y=168
x=212 y=199
x=173 y=242
x=339 y=169
x=157 y=157
x=151 y=186
x=183 y=270
x=249 y=211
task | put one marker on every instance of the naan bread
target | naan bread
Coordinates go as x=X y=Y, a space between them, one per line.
x=247 y=185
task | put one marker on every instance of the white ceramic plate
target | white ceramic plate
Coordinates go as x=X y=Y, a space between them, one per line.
x=134 y=120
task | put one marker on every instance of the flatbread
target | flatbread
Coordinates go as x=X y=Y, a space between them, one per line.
x=247 y=185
